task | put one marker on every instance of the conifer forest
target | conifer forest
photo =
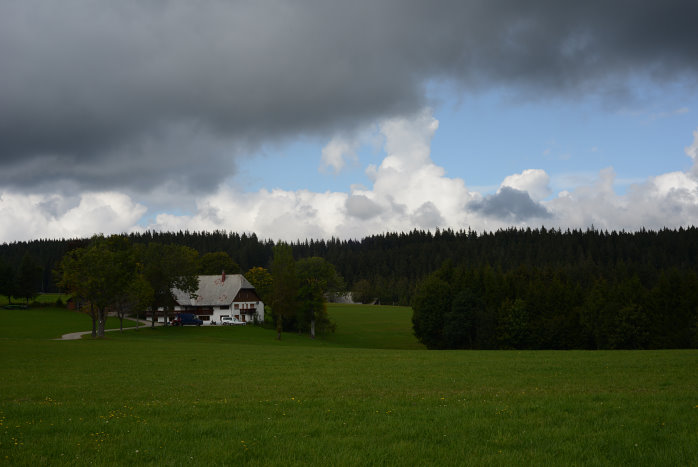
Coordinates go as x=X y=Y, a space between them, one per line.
x=509 y=289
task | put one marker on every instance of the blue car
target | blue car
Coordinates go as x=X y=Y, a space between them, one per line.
x=184 y=319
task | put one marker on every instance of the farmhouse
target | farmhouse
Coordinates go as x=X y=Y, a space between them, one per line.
x=221 y=295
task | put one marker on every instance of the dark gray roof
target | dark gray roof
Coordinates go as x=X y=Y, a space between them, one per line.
x=213 y=291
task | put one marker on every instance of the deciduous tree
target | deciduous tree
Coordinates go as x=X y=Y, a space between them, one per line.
x=216 y=263
x=362 y=292
x=100 y=274
x=137 y=297
x=285 y=291
x=28 y=279
x=7 y=280
x=262 y=281
x=317 y=278
x=431 y=301
x=168 y=267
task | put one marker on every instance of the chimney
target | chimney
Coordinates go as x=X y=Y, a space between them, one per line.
x=223 y=276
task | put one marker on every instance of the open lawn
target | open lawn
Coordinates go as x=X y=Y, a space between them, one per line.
x=234 y=395
x=372 y=326
x=48 y=323
x=44 y=298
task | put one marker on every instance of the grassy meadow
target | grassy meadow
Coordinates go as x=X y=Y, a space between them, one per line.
x=48 y=323
x=43 y=299
x=367 y=395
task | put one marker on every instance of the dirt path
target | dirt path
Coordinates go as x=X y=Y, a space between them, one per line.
x=78 y=335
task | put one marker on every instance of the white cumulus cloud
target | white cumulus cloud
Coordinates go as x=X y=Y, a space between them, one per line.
x=407 y=191
x=533 y=181
x=410 y=191
x=55 y=216
x=338 y=151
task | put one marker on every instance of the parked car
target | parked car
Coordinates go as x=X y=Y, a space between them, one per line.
x=184 y=319
x=231 y=321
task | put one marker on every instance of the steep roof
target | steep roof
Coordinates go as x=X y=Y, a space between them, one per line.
x=214 y=291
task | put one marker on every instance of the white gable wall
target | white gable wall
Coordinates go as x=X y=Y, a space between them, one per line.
x=231 y=310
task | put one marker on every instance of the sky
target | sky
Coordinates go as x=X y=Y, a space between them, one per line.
x=317 y=119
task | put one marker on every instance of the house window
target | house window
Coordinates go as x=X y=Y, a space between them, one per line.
x=224 y=307
x=237 y=306
x=205 y=318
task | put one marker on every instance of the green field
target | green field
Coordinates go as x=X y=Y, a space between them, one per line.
x=366 y=395
x=44 y=298
x=48 y=323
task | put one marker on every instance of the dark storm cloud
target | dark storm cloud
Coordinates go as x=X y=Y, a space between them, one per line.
x=510 y=204
x=140 y=93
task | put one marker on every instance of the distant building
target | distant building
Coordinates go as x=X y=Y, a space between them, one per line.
x=218 y=296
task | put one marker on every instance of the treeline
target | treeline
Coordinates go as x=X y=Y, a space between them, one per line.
x=582 y=306
x=514 y=288
x=44 y=254
x=386 y=268
x=246 y=250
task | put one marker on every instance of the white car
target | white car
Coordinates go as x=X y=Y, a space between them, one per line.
x=231 y=321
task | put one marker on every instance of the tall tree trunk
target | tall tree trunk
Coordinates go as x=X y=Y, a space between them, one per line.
x=155 y=310
x=312 y=328
x=102 y=319
x=278 y=327
x=94 y=321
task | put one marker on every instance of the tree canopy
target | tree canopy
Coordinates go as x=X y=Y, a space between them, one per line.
x=100 y=274
x=216 y=263
x=530 y=288
x=317 y=278
x=28 y=279
x=285 y=291
x=167 y=267
x=111 y=274
x=7 y=280
x=560 y=307
x=262 y=281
